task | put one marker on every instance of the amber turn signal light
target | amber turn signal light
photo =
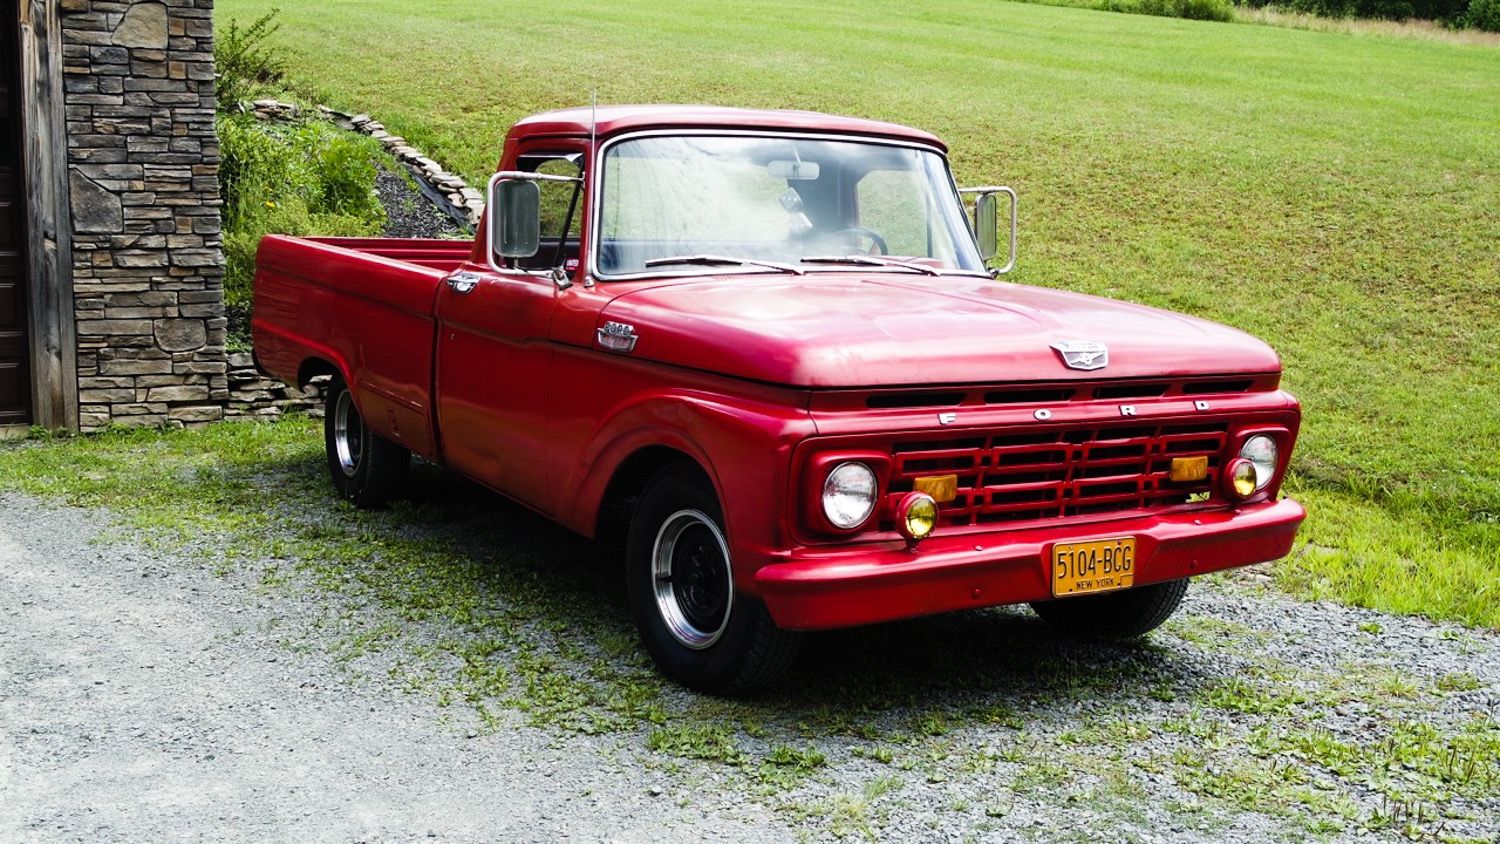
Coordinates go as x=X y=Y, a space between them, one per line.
x=1239 y=479
x=916 y=515
x=1189 y=468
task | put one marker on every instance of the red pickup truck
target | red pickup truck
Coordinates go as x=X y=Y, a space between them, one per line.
x=766 y=351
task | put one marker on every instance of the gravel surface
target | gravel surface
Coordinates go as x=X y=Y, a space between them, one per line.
x=150 y=695
x=408 y=212
x=144 y=698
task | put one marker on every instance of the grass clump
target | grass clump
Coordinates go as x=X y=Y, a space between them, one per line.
x=711 y=742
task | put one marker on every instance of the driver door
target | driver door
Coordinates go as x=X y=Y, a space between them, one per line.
x=494 y=358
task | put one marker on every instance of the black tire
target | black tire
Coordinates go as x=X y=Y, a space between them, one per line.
x=1118 y=615
x=736 y=647
x=367 y=469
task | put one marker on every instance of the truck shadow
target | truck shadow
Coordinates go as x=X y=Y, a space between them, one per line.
x=984 y=662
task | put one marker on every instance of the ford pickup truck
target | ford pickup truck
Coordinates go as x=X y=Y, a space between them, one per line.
x=769 y=356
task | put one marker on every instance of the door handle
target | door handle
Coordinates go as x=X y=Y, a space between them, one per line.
x=463 y=282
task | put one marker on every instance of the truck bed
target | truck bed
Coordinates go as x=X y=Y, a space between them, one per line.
x=445 y=255
x=320 y=300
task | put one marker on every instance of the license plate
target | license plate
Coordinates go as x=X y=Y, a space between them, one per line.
x=1099 y=565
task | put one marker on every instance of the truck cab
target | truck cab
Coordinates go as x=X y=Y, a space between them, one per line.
x=771 y=356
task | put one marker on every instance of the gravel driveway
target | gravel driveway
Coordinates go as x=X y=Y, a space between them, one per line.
x=146 y=699
x=152 y=690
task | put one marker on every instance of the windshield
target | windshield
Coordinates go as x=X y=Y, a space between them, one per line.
x=771 y=203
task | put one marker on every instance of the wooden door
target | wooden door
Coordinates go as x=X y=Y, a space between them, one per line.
x=15 y=379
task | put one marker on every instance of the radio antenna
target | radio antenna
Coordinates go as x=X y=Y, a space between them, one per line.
x=593 y=119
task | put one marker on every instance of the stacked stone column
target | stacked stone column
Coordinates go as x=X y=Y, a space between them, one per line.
x=143 y=179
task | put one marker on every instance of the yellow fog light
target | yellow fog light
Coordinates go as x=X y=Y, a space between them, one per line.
x=1240 y=478
x=916 y=515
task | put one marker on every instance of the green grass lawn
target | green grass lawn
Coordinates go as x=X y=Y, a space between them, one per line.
x=1336 y=195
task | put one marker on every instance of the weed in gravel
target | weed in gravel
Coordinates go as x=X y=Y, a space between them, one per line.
x=845 y=815
x=714 y=743
x=1458 y=681
x=1240 y=694
x=1042 y=774
x=783 y=767
x=1211 y=633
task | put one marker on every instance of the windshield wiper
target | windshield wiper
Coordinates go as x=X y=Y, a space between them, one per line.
x=870 y=261
x=721 y=261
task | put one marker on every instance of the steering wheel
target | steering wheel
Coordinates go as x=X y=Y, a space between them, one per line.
x=881 y=246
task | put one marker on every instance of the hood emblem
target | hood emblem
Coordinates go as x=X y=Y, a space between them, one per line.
x=617 y=337
x=1083 y=354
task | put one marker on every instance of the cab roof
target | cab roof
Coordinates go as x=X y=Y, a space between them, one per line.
x=615 y=119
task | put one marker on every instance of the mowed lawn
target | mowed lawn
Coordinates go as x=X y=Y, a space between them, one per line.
x=1337 y=195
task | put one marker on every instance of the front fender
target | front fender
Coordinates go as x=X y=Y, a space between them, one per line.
x=744 y=446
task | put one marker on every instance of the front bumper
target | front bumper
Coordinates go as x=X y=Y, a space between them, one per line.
x=845 y=588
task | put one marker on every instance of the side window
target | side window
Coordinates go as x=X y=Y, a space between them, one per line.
x=557 y=196
x=557 y=199
x=892 y=203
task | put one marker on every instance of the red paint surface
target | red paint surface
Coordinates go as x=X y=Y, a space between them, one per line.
x=761 y=378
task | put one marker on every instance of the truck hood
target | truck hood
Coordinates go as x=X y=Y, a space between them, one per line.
x=826 y=330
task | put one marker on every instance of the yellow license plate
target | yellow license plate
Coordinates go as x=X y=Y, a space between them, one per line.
x=1099 y=565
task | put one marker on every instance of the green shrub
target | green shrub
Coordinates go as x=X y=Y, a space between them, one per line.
x=309 y=179
x=1484 y=14
x=1450 y=11
x=1205 y=10
x=1202 y=10
x=243 y=64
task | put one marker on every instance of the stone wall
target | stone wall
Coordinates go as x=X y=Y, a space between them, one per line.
x=254 y=396
x=143 y=182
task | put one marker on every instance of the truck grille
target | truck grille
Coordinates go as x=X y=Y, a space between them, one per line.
x=1012 y=477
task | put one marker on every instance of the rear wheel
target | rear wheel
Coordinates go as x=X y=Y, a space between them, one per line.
x=697 y=628
x=1116 y=615
x=367 y=469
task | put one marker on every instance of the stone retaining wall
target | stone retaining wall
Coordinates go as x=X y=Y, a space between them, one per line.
x=254 y=396
x=448 y=191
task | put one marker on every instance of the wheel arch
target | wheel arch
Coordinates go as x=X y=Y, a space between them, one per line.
x=317 y=367
x=611 y=511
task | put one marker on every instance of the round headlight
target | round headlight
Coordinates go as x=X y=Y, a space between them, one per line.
x=849 y=495
x=1239 y=480
x=1261 y=451
x=917 y=515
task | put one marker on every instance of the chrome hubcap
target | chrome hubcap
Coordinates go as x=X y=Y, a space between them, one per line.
x=348 y=434
x=694 y=587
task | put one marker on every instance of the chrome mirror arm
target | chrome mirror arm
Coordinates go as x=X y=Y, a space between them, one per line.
x=1011 y=193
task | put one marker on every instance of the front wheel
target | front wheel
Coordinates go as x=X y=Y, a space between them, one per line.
x=695 y=625
x=367 y=469
x=1117 y=615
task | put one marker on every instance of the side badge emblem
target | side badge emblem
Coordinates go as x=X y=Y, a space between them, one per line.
x=1087 y=355
x=617 y=337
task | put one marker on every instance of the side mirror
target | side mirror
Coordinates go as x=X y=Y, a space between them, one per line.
x=987 y=224
x=515 y=219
